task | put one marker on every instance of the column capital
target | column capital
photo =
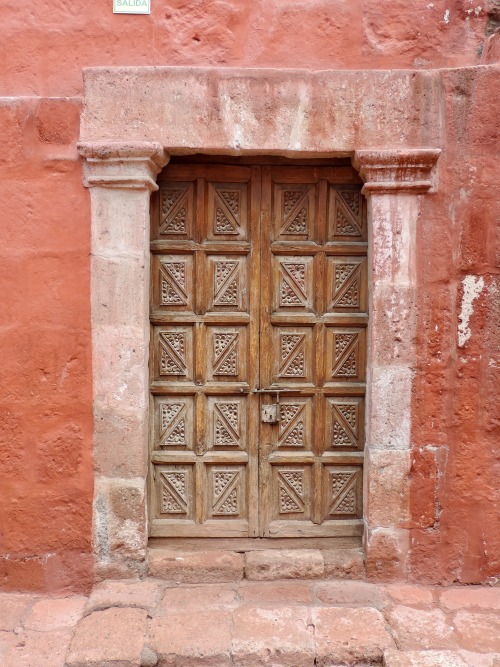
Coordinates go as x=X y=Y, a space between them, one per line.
x=409 y=170
x=130 y=165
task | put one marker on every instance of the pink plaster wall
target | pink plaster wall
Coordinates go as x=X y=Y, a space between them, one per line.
x=45 y=375
x=45 y=43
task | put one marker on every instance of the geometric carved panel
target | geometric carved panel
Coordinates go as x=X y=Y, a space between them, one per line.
x=175 y=422
x=175 y=274
x=226 y=358
x=227 y=422
x=227 y=212
x=345 y=354
x=291 y=495
x=227 y=283
x=294 y=205
x=294 y=430
x=293 y=353
x=346 y=284
x=345 y=423
x=175 y=491
x=295 y=282
x=176 y=210
x=343 y=491
x=346 y=220
x=174 y=350
x=226 y=492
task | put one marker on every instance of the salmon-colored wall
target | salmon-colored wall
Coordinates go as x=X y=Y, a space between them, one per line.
x=456 y=410
x=46 y=473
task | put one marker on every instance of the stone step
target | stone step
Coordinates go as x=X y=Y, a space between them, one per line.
x=288 y=623
x=217 y=565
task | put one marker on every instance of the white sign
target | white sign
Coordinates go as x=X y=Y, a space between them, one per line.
x=131 y=6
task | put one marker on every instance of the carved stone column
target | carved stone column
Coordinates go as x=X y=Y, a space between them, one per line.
x=121 y=177
x=394 y=184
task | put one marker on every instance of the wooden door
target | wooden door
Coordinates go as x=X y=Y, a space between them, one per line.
x=205 y=348
x=313 y=347
x=259 y=285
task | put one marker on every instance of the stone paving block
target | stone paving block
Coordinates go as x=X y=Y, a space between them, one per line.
x=468 y=597
x=38 y=649
x=417 y=629
x=7 y=641
x=13 y=608
x=193 y=567
x=109 y=638
x=480 y=659
x=344 y=564
x=409 y=596
x=127 y=593
x=423 y=659
x=349 y=635
x=265 y=593
x=55 y=613
x=478 y=632
x=281 y=636
x=284 y=564
x=351 y=593
x=199 y=598
x=200 y=639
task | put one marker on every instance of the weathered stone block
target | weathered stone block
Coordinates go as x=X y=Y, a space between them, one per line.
x=280 y=636
x=349 y=635
x=394 y=658
x=284 y=564
x=199 y=598
x=478 y=632
x=109 y=637
x=468 y=597
x=410 y=596
x=266 y=593
x=389 y=417
x=193 y=640
x=351 y=593
x=13 y=610
x=344 y=564
x=386 y=553
x=388 y=497
x=55 y=613
x=417 y=629
x=192 y=567
x=132 y=593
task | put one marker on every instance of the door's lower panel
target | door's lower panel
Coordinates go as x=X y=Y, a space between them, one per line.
x=202 y=498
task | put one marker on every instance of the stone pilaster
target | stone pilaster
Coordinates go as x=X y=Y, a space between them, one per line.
x=121 y=177
x=394 y=183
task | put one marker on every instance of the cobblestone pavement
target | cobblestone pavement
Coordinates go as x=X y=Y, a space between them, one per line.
x=251 y=623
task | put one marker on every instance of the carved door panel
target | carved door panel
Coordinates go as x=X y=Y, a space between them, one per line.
x=204 y=361
x=313 y=347
x=259 y=282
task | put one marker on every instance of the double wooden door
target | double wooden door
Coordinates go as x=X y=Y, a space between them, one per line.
x=258 y=347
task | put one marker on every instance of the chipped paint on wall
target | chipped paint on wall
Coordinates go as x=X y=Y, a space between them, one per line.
x=472 y=288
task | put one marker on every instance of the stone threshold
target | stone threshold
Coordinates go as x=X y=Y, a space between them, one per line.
x=221 y=565
x=154 y=623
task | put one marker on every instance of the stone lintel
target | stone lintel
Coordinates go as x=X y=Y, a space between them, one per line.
x=404 y=170
x=132 y=165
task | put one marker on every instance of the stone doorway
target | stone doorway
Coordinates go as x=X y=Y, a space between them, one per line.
x=134 y=120
x=259 y=309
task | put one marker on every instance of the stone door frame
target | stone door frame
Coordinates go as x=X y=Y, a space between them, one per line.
x=121 y=163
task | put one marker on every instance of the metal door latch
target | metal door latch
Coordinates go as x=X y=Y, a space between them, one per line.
x=270 y=413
